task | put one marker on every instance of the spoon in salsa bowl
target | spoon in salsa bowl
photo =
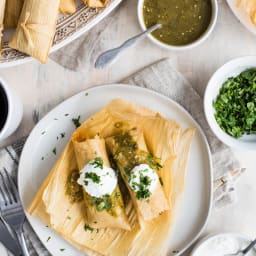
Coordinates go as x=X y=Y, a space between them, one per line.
x=108 y=57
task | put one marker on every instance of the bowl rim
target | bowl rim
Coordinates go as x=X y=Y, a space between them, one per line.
x=195 y=43
x=217 y=234
x=243 y=62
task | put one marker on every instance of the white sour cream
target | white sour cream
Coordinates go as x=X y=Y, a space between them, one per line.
x=143 y=170
x=97 y=181
x=222 y=244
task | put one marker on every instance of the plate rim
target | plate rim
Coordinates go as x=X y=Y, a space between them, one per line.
x=157 y=94
x=108 y=9
x=241 y=20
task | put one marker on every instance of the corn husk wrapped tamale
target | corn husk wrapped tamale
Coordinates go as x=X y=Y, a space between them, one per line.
x=67 y=6
x=114 y=217
x=96 y=3
x=12 y=13
x=2 y=7
x=119 y=146
x=149 y=239
x=36 y=28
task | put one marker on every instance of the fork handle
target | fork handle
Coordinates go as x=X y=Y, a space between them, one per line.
x=249 y=247
x=22 y=242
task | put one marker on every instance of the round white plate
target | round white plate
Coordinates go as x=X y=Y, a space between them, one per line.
x=242 y=16
x=196 y=202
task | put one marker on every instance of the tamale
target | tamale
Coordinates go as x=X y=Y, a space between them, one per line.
x=2 y=6
x=12 y=13
x=67 y=6
x=114 y=216
x=36 y=28
x=129 y=150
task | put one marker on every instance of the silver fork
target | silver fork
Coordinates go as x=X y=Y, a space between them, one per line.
x=243 y=251
x=11 y=208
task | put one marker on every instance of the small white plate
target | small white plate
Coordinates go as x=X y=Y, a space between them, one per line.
x=242 y=16
x=196 y=202
x=237 y=239
x=232 y=68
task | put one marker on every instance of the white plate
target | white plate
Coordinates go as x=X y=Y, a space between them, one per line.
x=242 y=16
x=69 y=28
x=196 y=203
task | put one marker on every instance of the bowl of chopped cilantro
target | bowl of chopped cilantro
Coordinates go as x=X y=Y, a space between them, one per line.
x=230 y=103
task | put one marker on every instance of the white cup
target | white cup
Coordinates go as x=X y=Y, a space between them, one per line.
x=15 y=111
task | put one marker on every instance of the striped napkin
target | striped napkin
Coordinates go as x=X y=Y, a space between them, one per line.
x=164 y=78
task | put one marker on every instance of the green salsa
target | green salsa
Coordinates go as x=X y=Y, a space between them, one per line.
x=184 y=21
x=73 y=189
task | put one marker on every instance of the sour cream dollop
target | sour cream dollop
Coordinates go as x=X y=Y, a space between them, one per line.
x=97 y=179
x=143 y=177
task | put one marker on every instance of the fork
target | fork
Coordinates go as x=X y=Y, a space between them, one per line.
x=11 y=208
x=243 y=251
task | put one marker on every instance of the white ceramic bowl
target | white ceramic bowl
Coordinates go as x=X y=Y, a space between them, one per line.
x=232 y=68
x=239 y=238
x=15 y=111
x=197 y=42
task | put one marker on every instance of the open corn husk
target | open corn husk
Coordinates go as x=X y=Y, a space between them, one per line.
x=12 y=13
x=2 y=7
x=115 y=217
x=67 y=6
x=149 y=239
x=36 y=28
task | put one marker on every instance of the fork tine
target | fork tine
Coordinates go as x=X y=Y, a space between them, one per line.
x=2 y=193
x=12 y=186
x=6 y=190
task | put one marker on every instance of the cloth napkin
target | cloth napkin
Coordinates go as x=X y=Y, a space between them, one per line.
x=163 y=78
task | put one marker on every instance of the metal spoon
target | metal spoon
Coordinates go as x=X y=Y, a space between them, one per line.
x=245 y=250
x=108 y=57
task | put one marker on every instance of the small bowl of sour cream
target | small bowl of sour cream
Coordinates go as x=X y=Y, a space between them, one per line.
x=221 y=244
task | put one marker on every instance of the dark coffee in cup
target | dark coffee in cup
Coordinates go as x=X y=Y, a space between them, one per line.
x=3 y=107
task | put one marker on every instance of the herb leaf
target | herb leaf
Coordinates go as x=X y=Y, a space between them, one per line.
x=88 y=228
x=93 y=176
x=76 y=121
x=97 y=162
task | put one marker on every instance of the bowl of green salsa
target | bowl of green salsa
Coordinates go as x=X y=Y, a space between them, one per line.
x=185 y=23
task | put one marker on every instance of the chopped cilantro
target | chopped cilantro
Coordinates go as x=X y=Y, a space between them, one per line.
x=48 y=239
x=86 y=94
x=66 y=114
x=153 y=163
x=88 y=228
x=93 y=176
x=62 y=249
x=55 y=118
x=69 y=218
x=62 y=134
x=43 y=132
x=42 y=158
x=97 y=162
x=76 y=121
x=54 y=151
x=103 y=203
x=235 y=106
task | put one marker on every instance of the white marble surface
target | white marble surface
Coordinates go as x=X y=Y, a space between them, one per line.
x=41 y=87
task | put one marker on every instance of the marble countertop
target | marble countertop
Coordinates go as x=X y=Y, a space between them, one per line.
x=41 y=87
